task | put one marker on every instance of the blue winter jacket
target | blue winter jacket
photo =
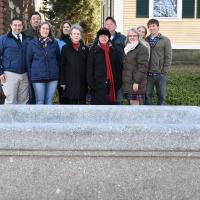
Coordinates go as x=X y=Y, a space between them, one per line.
x=43 y=63
x=61 y=43
x=13 y=54
x=118 y=43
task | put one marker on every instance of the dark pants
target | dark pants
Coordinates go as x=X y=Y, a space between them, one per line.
x=75 y=101
x=158 y=80
x=31 y=94
x=62 y=100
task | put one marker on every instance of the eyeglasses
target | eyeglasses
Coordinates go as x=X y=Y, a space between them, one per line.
x=130 y=36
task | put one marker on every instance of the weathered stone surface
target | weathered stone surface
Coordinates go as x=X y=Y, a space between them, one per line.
x=99 y=152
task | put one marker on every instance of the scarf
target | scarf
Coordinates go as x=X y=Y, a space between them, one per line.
x=65 y=38
x=154 y=41
x=130 y=46
x=109 y=76
x=75 y=46
x=44 y=41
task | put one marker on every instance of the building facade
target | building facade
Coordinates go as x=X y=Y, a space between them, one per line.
x=179 y=19
x=15 y=8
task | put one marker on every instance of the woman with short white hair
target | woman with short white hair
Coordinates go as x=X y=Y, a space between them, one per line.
x=73 y=68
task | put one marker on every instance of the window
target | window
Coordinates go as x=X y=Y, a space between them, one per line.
x=142 y=8
x=198 y=9
x=188 y=8
x=166 y=9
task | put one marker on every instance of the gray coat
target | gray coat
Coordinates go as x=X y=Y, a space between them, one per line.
x=135 y=70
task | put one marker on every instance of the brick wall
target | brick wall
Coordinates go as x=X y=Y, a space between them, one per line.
x=3 y=6
x=14 y=8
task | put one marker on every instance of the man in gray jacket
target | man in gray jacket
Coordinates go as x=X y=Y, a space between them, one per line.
x=159 y=63
x=35 y=20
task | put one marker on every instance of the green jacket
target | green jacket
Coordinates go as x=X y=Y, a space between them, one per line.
x=160 y=56
x=135 y=70
x=31 y=33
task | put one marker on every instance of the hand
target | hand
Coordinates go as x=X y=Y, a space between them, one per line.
x=135 y=87
x=3 y=78
x=63 y=86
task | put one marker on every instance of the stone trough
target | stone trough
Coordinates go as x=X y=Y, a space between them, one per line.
x=99 y=152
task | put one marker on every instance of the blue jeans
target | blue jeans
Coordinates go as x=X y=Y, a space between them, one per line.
x=44 y=92
x=159 y=81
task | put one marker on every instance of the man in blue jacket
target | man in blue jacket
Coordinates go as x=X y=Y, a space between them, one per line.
x=35 y=20
x=13 y=74
x=118 y=42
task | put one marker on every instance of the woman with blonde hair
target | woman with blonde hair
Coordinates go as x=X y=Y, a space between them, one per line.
x=142 y=30
x=134 y=75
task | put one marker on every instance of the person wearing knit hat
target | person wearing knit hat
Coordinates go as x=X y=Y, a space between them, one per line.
x=103 y=31
x=103 y=70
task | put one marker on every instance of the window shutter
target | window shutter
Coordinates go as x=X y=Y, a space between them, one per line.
x=198 y=8
x=142 y=8
x=188 y=8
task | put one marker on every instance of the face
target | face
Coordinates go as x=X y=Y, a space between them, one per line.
x=16 y=27
x=75 y=36
x=35 y=21
x=132 y=37
x=110 y=25
x=44 y=30
x=142 y=32
x=103 y=39
x=153 y=29
x=66 y=29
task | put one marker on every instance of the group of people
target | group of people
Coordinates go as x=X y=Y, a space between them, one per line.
x=33 y=64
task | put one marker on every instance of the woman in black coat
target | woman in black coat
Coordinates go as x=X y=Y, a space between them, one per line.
x=73 y=68
x=103 y=70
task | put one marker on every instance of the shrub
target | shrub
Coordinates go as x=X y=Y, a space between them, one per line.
x=184 y=85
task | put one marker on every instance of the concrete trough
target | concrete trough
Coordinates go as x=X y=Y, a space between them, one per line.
x=99 y=152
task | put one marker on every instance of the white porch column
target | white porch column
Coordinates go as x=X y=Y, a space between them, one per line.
x=119 y=14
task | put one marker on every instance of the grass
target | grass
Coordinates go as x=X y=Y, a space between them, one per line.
x=183 y=86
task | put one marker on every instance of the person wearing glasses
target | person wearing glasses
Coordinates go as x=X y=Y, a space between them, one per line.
x=103 y=70
x=134 y=74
